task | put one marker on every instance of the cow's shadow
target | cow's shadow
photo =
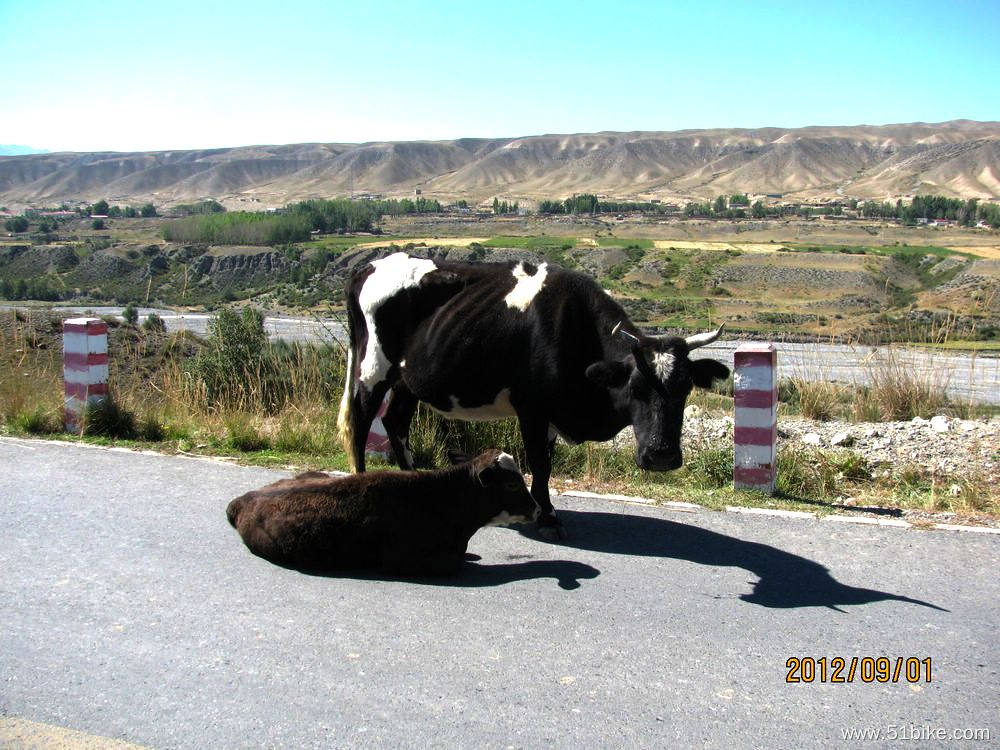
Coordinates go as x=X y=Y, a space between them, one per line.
x=785 y=580
x=472 y=574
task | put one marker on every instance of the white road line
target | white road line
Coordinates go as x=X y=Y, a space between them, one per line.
x=870 y=521
x=976 y=529
x=609 y=496
x=15 y=443
x=770 y=512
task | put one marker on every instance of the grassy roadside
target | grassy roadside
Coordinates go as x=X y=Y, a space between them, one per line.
x=238 y=397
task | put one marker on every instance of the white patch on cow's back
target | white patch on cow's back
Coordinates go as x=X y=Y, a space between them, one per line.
x=501 y=408
x=392 y=275
x=527 y=287
x=663 y=364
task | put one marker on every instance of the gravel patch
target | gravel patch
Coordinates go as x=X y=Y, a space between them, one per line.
x=941 y=446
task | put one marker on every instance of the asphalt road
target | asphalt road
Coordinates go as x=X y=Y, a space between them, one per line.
x=131 y=610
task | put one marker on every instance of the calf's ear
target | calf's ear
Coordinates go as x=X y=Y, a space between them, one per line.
x=704 y=371
x=608 y=374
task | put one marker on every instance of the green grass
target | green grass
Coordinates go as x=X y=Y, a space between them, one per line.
x=642 y=244
x=982 y=346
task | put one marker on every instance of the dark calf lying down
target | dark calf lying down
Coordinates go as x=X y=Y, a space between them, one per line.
x=401 y=521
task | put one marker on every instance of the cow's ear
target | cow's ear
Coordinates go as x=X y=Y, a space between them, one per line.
x=704 y=371
x=608 y=374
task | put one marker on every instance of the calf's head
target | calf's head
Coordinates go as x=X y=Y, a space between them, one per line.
x=652 y=384
x=502 y=493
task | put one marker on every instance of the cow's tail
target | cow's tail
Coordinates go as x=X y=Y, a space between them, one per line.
x=346 y=416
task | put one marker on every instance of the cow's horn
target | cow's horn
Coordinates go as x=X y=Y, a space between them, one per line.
x=701 y=339
x=618 y=329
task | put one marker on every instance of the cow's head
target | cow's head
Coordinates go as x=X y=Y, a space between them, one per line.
x=652 y=384
x=503 y=495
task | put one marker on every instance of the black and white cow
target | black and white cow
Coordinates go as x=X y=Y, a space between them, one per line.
x=494 y=340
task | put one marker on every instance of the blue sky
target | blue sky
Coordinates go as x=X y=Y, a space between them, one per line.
x=142 y=76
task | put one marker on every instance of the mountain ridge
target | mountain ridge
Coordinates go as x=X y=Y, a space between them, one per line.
x=958 y=158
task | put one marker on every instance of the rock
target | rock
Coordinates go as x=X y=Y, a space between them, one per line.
x=842 y=439
x=873 y=432
x=918 y=421
x=940 y=424
x=692 y=410
x=955 y=490
x=812 y=438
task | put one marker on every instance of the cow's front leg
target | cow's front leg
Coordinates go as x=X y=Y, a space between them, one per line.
x=535 y=434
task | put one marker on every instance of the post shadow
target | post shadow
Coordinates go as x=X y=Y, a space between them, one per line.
x=785 y=580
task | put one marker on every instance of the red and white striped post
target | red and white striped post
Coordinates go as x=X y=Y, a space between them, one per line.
x=755 y=428
x=85 y=366
x=378 y=441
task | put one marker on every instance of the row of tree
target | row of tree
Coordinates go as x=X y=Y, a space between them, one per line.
x=586 y=203
x=930 y=207
x=296 y=222
x=102 y=208
x=201 y=207
x=718 y=209
x=590 y=204
x=503 y=207
x=36 y=288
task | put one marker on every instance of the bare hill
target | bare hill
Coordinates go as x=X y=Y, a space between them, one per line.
x=959 y=158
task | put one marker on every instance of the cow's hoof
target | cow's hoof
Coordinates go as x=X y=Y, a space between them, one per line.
x=551 y=529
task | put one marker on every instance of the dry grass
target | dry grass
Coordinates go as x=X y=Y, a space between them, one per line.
x=897 y=392
x=31 y=379
x=989 y=252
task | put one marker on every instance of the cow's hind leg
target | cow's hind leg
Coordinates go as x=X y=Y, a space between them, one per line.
x=537 y=450
x=398 y=415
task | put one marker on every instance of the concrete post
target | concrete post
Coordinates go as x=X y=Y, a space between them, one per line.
x=755 y=429
x=85 y=366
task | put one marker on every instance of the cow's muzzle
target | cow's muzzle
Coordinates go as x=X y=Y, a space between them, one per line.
x=659 y=460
